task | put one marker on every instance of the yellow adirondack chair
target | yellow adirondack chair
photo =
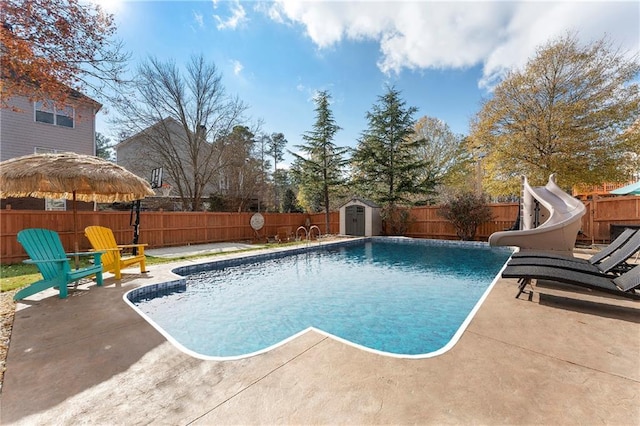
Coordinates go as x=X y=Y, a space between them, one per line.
x=102 y=239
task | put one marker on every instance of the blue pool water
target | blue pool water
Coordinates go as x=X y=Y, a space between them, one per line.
x=399 y=298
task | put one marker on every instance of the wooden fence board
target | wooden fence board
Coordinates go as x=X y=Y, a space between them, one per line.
x=164 y=229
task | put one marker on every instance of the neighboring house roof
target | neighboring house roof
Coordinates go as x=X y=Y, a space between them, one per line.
x=72 y=93
x=84 y=98
x=169 y=121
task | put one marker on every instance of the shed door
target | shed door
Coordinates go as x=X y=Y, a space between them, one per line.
x=354 y=220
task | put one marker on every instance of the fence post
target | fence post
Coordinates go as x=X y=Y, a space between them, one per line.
x=592 y=214
x=163 y=230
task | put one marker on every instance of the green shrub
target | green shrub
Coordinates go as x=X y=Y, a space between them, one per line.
x=466 y=212
x=395 y=219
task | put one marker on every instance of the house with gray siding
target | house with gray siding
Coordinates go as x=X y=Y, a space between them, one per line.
x=139 y=153
x=166 y=145
x=28 y=127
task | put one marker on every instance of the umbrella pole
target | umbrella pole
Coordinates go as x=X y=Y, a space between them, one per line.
x=135 y=223
x=76 y=248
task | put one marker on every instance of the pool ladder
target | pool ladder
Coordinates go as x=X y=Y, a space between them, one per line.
x=307 y=234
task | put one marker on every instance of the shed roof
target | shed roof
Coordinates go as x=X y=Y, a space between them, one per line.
x=363 y=201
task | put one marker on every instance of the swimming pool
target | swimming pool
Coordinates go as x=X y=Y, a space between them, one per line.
x=394 y=296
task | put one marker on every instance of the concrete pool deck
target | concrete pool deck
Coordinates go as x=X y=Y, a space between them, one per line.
x=563 y=357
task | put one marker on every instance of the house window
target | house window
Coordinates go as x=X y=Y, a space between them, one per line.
x=47 y=112
x=55 y=204
x=223 y=184
x=41 y=150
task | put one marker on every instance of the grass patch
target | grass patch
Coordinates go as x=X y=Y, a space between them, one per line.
x=18 y=275
x=17 y=269
x=13 y=283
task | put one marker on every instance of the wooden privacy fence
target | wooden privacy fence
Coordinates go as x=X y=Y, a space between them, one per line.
x=601 y=215
x=165 y=229
x=157 y=229
x=426 y=222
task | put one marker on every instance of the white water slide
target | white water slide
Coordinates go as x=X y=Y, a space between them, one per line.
x=549 y=220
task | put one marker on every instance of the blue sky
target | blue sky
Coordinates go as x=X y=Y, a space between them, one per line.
x=443 y=56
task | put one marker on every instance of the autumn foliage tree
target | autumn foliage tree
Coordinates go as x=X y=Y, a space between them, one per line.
x=49 y=46
x=445 y=154
x=567 y=111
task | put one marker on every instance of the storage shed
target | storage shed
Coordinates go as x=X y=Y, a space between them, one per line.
x=360 y=218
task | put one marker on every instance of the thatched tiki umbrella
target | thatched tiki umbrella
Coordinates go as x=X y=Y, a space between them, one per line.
x=70 y=176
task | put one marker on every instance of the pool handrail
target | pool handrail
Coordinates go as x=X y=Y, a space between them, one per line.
x=306 y=234
x=311 y=232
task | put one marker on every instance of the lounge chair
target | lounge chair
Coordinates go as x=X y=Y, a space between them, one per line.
x=614 y=262
x=102 y=239
x=614 y=245
x=624 y=285
x=596 y=258
x=46 y=251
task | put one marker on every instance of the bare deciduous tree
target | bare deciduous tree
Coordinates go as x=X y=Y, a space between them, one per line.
x=183 y=121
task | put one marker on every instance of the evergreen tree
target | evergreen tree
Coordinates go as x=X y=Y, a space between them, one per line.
x=104 y=148
x=385 y=164
x=261 y=153
x=275 y=149
x=290 y=203
x=309 y=190
x=321 y=168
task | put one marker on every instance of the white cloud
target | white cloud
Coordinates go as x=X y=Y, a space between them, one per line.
x=308 y=92
x=109 y=6
x=267 y=9
x=237 y=67
x=237 y=18
x=498 y=35
x=199 y=19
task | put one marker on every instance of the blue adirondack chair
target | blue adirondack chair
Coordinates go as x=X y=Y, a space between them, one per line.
x=45 y=250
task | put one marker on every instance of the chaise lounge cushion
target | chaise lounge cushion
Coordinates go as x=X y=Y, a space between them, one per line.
x=621 y=286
